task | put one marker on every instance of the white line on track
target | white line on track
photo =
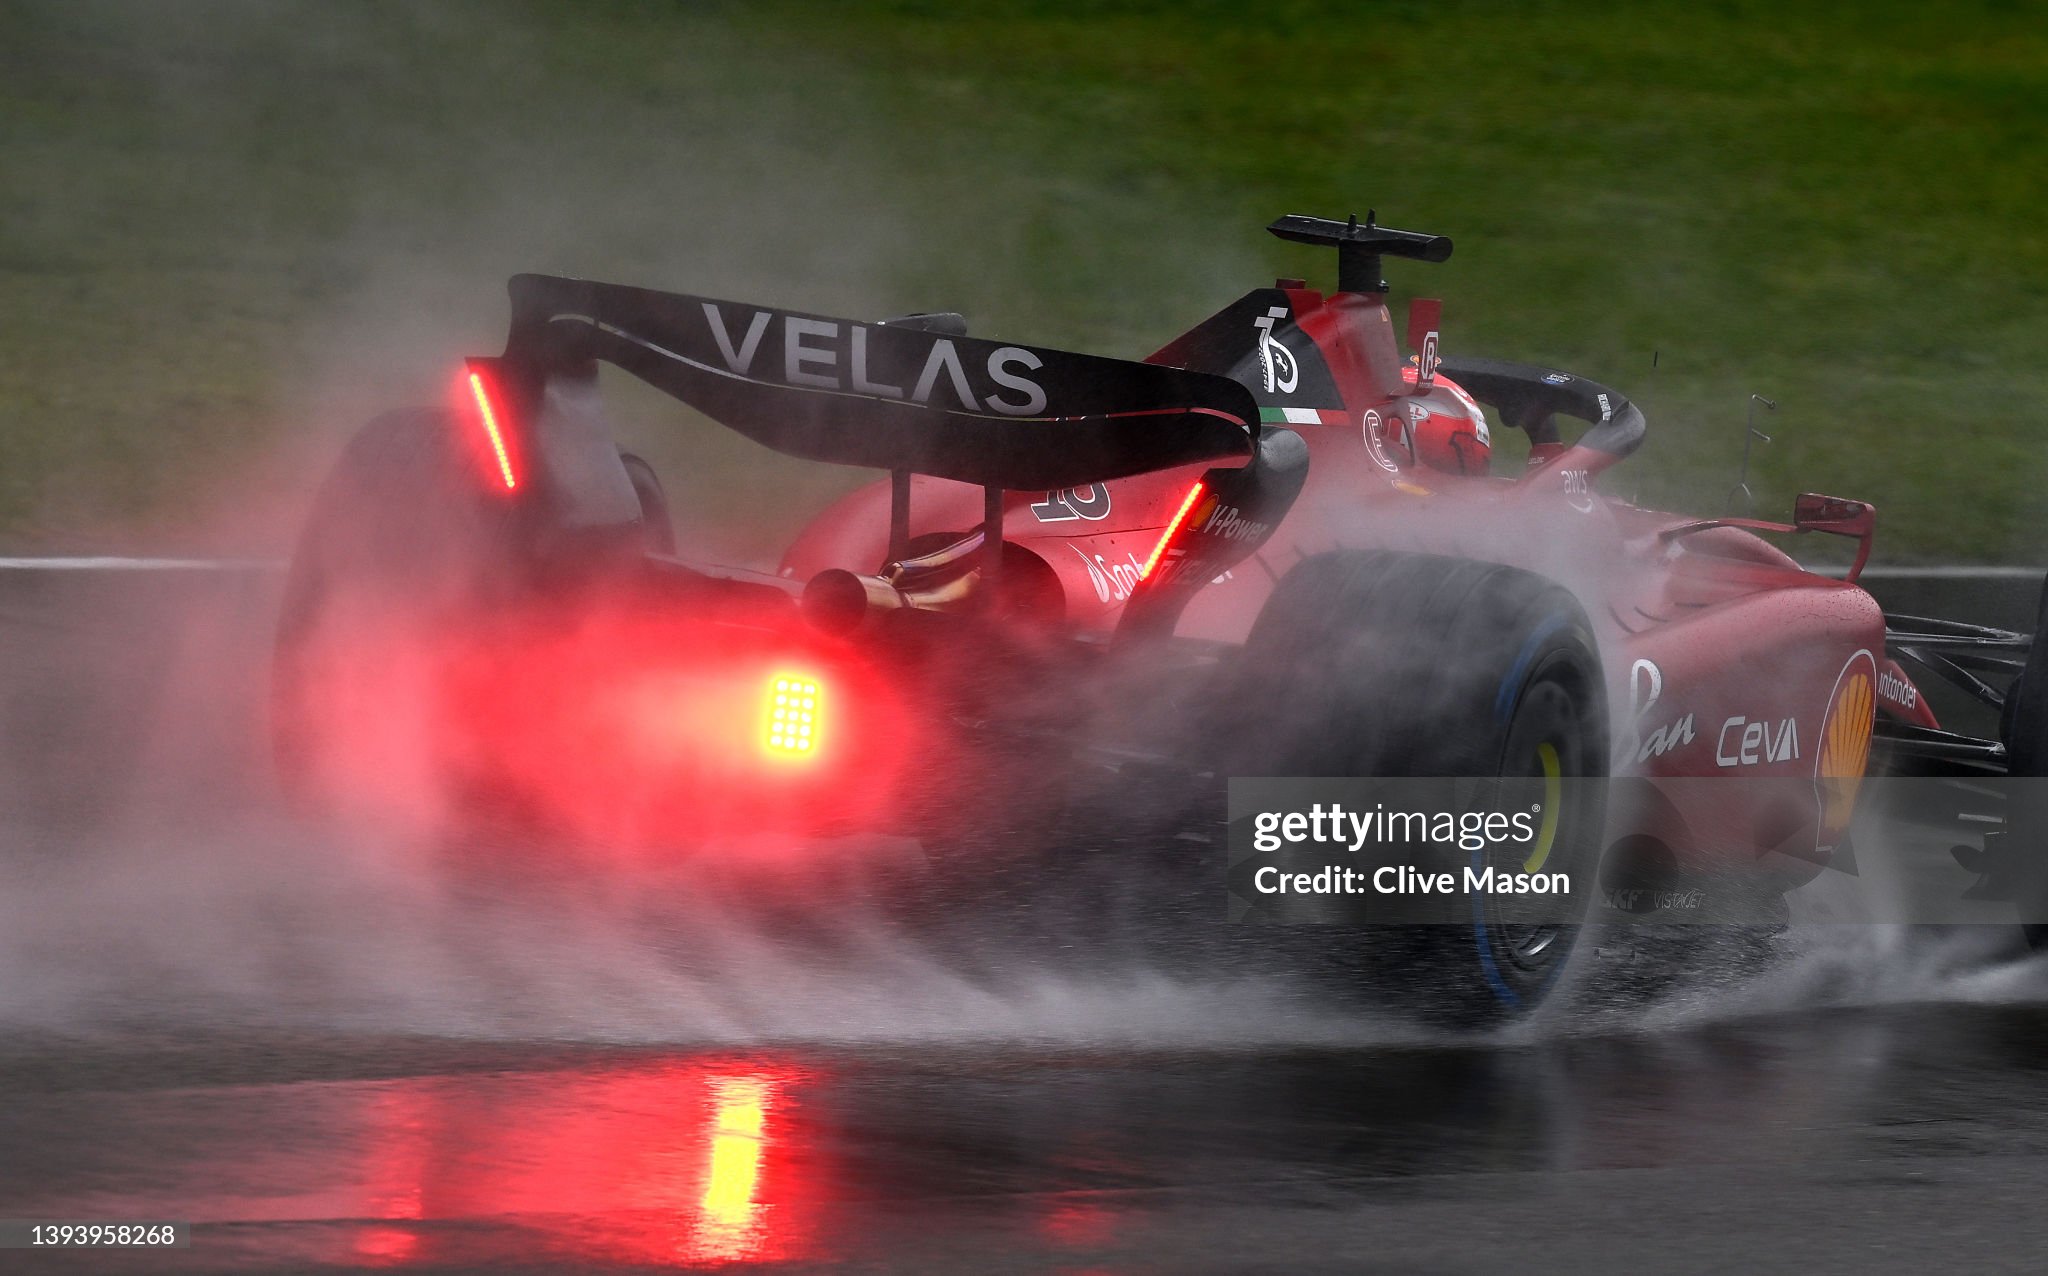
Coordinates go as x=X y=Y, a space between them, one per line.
x=100 y=564
x=1944 y=573
x=119 y=563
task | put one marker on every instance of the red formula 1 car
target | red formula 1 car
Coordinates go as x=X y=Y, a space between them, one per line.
x=1277 y=547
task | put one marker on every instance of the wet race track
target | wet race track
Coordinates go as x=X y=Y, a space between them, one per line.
x=1871 y=1139
x=211 y=1012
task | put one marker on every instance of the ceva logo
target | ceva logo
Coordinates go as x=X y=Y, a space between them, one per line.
x=1746 y=743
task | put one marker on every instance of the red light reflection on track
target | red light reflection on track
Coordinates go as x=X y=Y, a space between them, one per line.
x=397 y=1172
x=730 y=1225
x=672 y=1166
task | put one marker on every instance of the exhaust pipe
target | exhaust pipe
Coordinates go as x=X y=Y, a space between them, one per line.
x=840 y=602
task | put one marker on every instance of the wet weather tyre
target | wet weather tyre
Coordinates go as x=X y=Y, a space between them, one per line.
x=1411 y=665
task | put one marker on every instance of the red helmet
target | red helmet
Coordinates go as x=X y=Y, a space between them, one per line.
x=1443 y=429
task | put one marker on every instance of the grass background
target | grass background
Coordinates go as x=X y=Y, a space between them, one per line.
x=229 y=229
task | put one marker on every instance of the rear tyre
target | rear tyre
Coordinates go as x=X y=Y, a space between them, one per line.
x=403 y=540
x=1391 y=665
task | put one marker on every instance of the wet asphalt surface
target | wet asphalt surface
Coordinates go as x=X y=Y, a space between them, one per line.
x=1892 y=1139
x=1850 y=1100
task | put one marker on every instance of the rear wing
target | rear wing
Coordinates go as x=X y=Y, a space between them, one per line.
x=881 y=395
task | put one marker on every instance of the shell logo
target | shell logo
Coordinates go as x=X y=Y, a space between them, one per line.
x=1845 y=745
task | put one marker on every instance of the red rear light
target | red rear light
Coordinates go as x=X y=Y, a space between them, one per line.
x=487 y=412
x=1166 y=538
x=793 y=716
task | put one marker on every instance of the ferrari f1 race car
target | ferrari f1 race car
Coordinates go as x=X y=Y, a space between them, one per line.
x=1275 y=548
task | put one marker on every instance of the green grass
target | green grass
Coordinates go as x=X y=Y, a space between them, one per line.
x=226 y=227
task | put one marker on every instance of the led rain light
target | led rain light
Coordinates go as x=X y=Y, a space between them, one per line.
x=1180 y=516
x=794 y=717
x=490 y=420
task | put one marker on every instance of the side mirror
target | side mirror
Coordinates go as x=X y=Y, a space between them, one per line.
x=1813 y=512
x=1838 y=516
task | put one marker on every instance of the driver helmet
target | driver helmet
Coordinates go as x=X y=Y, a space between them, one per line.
x=1443 y=430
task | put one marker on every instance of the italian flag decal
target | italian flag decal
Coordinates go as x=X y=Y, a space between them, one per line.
x=1303 y=416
